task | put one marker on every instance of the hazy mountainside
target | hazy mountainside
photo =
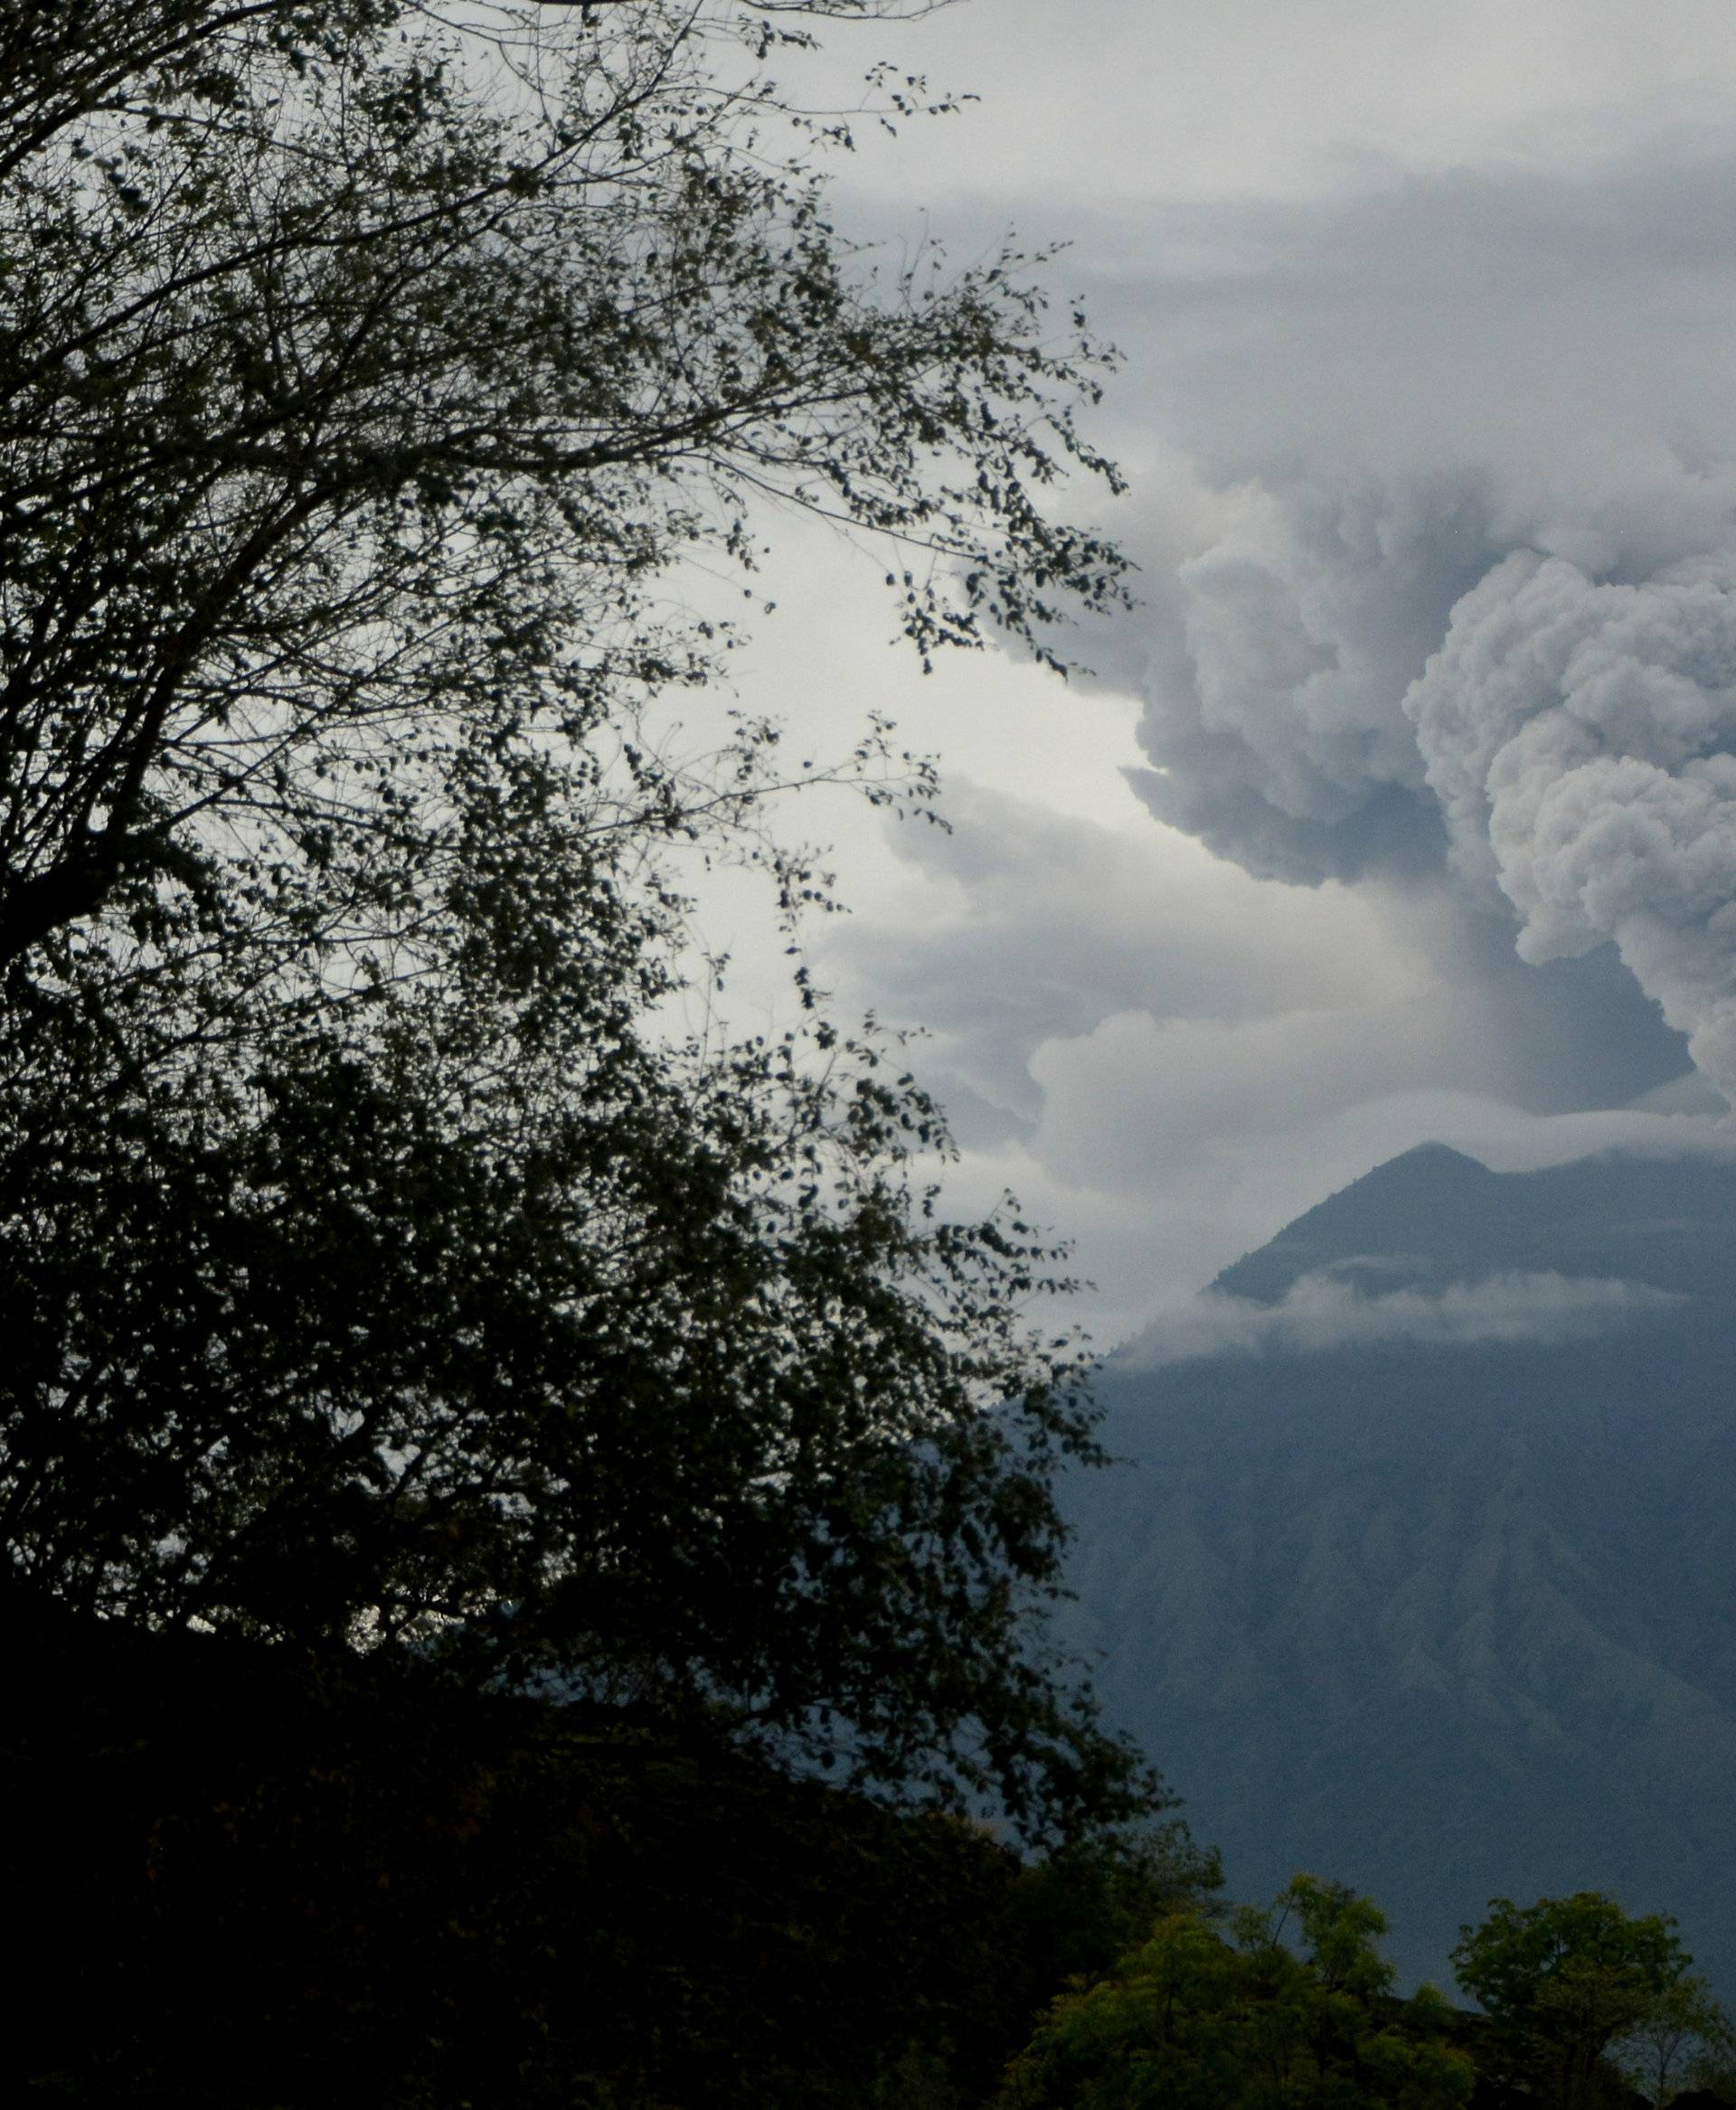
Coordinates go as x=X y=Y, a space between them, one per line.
x=1437 y=1215
x=1452 y=1618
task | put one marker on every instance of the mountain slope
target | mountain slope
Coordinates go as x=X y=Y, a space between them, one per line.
x=1446 y=1618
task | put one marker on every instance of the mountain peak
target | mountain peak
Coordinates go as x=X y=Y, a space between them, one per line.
x=1431 y=1158
x=1422 y=1606
x=1433 y=1215
x=1400 y=1207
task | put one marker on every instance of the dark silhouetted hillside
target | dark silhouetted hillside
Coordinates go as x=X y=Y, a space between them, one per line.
x=248 y=1881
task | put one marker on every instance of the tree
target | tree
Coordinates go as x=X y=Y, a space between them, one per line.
x=1681 y=2034
x=1193 y=2021
x=1564 y=1979
x=305 y=1885
x=502 y=1328
x=1097 y=1897
x=386 y=1266
x=359 y=372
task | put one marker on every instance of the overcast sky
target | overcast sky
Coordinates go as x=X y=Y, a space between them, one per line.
x=1405 y=806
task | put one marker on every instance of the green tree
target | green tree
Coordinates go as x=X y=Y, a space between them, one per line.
x=1092 y=1900
x=1679 y=2038
x=386 y=1266
x=1564 y=1979
x=1198 y=2021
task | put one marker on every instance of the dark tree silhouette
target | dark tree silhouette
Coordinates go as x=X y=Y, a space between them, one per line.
x=386 y=1266
x=359 y=372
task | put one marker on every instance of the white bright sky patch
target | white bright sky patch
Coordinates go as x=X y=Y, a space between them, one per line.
x=1411 y=298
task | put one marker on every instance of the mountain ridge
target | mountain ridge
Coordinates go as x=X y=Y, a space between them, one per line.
x=1469 y=1222
x=1446 y=1620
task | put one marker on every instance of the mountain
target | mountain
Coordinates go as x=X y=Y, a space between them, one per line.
x=1419 y=1573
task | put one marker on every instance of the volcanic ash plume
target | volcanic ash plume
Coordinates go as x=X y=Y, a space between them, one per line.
x=1578 y=737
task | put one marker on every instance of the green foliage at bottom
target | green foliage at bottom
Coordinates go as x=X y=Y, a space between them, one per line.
x=1193 y=2021
x=1588 y=2006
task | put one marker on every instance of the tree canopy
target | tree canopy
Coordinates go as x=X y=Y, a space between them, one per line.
x=1681 y=2038
x=360 y=369
x=1193 y=2020
x=387 y=1262
x=1563 y=1980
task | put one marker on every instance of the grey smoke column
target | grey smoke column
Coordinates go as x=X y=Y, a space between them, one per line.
x=1579 y=736
x=1279 y=660
x=1450 y=600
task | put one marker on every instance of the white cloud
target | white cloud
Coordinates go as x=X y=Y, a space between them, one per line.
x=1366 y=406
x=1323 y=1312
x=1025 y=928
x=1105 y=100
x=1467 y=582
x=1138 y=1098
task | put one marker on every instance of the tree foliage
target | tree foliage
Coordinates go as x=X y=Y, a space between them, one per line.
x=388 y=1262
x=359 y=372
x=1564 y=1979
x=646 y=1373
x=1681 y=2039
x=1193 y=2021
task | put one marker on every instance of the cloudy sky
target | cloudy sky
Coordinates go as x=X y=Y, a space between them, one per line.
x=1405 y=806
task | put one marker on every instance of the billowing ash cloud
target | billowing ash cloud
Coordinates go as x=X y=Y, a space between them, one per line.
x=1324 y=1312
x=1578 y=737
x=1453 y=589
x=1569 y=745
x=1290 y=640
